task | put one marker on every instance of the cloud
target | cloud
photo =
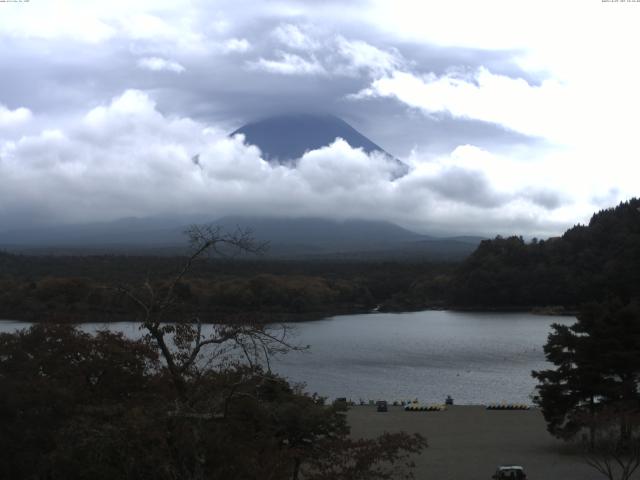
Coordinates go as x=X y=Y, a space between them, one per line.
x=540 y=124
x=479 y=95
x=125 y=158
x=293 y=37
x=10 y=118
x=289 y=64
x=55 y=21
x=340 y=167
x=158 y=64
x=548 y=199
x=361 y=55
x=218 y=45
x=329 y=54
x=147 y=26
x=236 y=45
x=465 y=186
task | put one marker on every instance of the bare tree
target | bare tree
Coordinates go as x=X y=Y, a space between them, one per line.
x=615 y=449
x=181 y=341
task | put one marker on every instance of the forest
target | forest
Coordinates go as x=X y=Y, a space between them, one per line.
x=76 y=288
x=588 y=262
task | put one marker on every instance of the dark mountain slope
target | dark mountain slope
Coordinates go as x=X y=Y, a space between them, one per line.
x=287 y=137
x=125 y=231
x=350 y=234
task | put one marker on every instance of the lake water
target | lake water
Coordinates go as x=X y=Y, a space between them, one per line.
x=477 y=358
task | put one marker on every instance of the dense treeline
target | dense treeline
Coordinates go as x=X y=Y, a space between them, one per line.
x=588 y=263
x=70 y=289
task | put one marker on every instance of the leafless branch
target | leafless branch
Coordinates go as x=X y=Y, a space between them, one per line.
x=615 y=457
x=187 y=343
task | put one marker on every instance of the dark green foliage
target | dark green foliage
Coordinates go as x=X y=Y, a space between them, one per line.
x=62 y=389
x=597 y=370
x=588 y=263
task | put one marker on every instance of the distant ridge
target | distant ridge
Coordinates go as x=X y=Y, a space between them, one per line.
x=341 y=235
x=287 y=238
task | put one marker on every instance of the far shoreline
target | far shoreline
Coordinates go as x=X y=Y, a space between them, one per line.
x=291 y=317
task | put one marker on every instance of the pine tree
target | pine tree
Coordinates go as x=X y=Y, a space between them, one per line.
x=597 y=366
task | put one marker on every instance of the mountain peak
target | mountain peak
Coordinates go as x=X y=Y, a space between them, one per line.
x=286 y=137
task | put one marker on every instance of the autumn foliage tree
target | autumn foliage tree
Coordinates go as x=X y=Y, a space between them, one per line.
x=68 y=397
x=79 y=406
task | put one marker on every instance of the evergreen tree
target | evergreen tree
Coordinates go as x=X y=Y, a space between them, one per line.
x=597 y=364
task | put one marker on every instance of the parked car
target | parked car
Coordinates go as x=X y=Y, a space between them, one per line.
x=509 y=472
x=382 y=406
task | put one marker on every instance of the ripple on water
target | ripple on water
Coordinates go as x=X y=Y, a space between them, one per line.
x=476 y=357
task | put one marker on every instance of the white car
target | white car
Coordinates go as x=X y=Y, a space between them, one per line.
x=510 y=472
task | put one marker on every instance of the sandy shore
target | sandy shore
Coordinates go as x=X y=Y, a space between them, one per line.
x=468 y=442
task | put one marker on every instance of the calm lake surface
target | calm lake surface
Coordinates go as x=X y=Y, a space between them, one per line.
x=477 y=358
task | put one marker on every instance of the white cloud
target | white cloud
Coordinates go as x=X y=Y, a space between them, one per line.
x=10 y=118
x=146 y=26
x=361 y=55
x=494 y=24
x=293 y=37
x=560 y=71
x=56 y=20
x=584 y=100
x=158 y=64
x=327 y=55
x=155 y=33
x=338 y=166
x=289 y=64
x=236 y=45
x=510 y=102
x=125 y=158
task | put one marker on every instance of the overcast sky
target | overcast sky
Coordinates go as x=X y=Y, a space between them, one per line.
x=514 y=116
